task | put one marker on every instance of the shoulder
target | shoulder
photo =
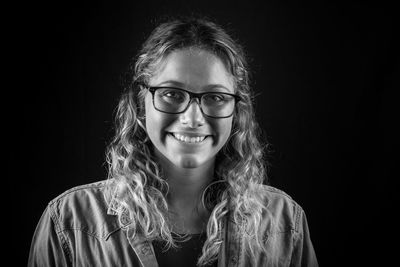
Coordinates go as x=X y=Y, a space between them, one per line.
x=83 y=208
x=275 y=196
x=80 y=198
x=91 y=189
x=281 y=209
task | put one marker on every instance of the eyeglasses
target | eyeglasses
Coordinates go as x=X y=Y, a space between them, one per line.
x=173 y=100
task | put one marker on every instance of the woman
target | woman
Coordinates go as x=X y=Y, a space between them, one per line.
x=186 y=170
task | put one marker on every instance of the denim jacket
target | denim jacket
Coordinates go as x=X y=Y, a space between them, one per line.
x=77 y=229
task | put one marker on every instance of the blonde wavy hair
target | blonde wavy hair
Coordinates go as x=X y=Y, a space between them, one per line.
x=136 y=190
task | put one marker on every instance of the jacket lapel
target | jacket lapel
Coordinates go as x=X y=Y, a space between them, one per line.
x=143 y=249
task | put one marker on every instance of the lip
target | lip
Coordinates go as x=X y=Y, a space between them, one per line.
x=189 y=135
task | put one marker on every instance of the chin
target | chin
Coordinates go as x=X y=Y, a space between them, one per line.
x=189 y=162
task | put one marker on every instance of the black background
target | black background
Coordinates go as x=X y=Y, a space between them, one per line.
x=325 y=77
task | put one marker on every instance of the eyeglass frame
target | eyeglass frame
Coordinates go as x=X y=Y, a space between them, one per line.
x=198 y=96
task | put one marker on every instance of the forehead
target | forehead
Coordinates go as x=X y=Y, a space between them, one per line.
x=194 y=68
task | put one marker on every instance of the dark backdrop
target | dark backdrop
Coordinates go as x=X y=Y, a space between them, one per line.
x=325 y=77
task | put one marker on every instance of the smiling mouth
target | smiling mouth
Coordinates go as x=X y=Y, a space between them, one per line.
x=188 y=139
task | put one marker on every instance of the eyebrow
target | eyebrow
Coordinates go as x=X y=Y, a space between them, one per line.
x=184 y=86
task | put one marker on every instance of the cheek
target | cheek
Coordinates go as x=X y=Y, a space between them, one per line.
x=153 y=122
x=156 y=122
x=223 y=128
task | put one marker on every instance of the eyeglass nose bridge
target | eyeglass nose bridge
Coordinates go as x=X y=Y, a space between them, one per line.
x=191 y=97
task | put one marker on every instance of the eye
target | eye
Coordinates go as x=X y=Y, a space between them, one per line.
x=217 y=98
x=171 y=94
x=214 y=97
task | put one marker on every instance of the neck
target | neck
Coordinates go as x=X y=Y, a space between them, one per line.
x=186 y=186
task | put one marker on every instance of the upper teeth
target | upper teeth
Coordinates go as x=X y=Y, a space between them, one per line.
x=188 y=139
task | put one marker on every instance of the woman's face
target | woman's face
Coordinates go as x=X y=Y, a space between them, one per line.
x=176 y=136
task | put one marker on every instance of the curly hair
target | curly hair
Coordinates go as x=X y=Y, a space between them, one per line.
x=136 y=190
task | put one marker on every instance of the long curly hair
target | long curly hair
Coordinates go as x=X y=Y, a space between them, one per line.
x=136 y=190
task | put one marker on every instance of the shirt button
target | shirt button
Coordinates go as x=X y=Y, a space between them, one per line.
x=265 y=237
x=233 y=260
x=124 y=221
x=145 y=250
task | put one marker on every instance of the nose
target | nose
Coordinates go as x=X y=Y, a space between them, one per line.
x=193 y=116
